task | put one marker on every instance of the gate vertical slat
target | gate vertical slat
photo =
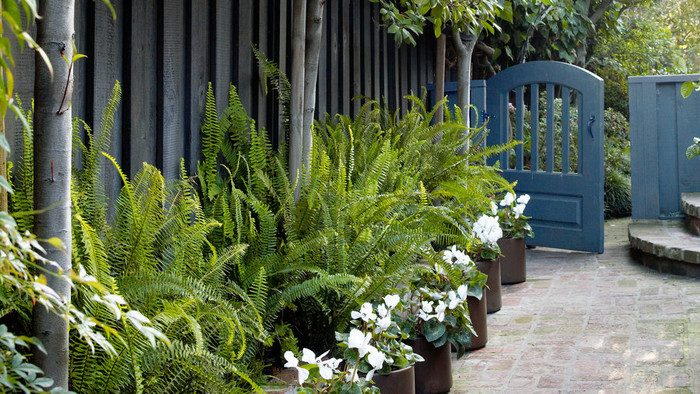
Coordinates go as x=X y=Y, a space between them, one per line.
x=534 y=127
x=582 y=129
x=519 y=126
x=565 y=97
x=550 y=127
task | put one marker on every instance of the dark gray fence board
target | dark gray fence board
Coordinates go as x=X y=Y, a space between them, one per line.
x=173 y=77
x=662 y=125
x=142 y=96
x=199 y=75
x=106 y=60
x=222 y=62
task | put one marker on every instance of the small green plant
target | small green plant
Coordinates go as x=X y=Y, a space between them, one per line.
x=686 y=89
x=511 y=216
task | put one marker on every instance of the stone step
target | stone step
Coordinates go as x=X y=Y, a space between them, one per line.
x=666 y=245
x=690 y=205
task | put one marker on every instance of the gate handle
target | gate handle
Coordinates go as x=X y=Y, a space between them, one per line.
x=591 y=120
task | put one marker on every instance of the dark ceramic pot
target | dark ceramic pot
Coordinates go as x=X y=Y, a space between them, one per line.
x=513 y=261
x=492 y=268
x=402 y=381
x=477 y=312
x=434 y=375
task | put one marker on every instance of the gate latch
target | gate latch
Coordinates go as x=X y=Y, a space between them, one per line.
x=591 y=120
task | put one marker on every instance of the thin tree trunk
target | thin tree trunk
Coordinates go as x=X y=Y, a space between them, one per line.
x=314 y=24
x=52 y=164
x=465 y=49
x=440 y=76
x=296 y=132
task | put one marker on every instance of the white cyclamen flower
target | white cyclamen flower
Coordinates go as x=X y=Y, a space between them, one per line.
x=462 y=292
x=494 y=208
x=454 y=300
x=366 y=313
x=523 y=199
x=519 y=209
x=508 y=199
x=382 y=324
x=391 y=300
x=293 y=362
x=427 y=307
x=382 y=311
x=488 y=230
x=440 y=310
x=449 y=255
x=376 y=359
x=358 y=340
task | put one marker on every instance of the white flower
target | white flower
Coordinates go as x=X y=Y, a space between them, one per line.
x=376 y=359
x=454 y=300
x=382 y=324
x=494 y=208
x=391 y=300
x=427 y=307
x=440 y=310
x=293 y=362
x=366 y=313
x=358 y=340
x=328 y=367
x=487 y=230
x=462 y=292
x=508 y=199
x=524 y=199
x=449 y=255
x=519 y=209
x=382 y=311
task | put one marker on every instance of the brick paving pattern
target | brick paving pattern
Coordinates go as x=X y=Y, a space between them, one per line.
x=590 y=323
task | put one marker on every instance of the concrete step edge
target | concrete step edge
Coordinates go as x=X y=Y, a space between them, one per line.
x=665 y=238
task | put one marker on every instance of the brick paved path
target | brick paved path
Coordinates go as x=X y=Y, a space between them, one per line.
x=586 y=322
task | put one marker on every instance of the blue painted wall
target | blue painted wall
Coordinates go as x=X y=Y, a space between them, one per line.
x=662 y=125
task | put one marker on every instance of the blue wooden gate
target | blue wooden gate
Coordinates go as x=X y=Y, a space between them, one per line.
x=557 y=110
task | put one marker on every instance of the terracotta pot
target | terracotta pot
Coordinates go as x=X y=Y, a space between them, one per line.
x=513 y=260
x=477 y=312
x=492 y=268
x=434 y=375
x=397 y=382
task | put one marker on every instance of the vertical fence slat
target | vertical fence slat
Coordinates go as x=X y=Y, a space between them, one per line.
x=222 y=54
x=534 y=126
x=199 y=75
x=519 y=126
x=367 y=33
x=173 y=88
x=243 y=26
x=107 y=69
x=334 y=91
x=346 y=59
x=565 y=113
x=322 y=84
x=550 y=127
x=142 y=89
x=376 y=56
x=356 y=29
x=257 y=73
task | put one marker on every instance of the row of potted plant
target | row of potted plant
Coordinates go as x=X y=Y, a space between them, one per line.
x=403 y=343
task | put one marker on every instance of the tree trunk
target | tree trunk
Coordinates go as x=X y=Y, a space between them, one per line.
x=465 y=49
x=314 y=24
x=440 y=76
x=52 y=164
x=296 y=132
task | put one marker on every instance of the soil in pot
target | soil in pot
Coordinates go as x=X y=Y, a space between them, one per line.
x=492 y=268
x=402 y=381
x=434 y=375
x=477 y=312
x=513 y=268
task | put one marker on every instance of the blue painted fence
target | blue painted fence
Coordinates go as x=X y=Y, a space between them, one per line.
x=662 y=125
